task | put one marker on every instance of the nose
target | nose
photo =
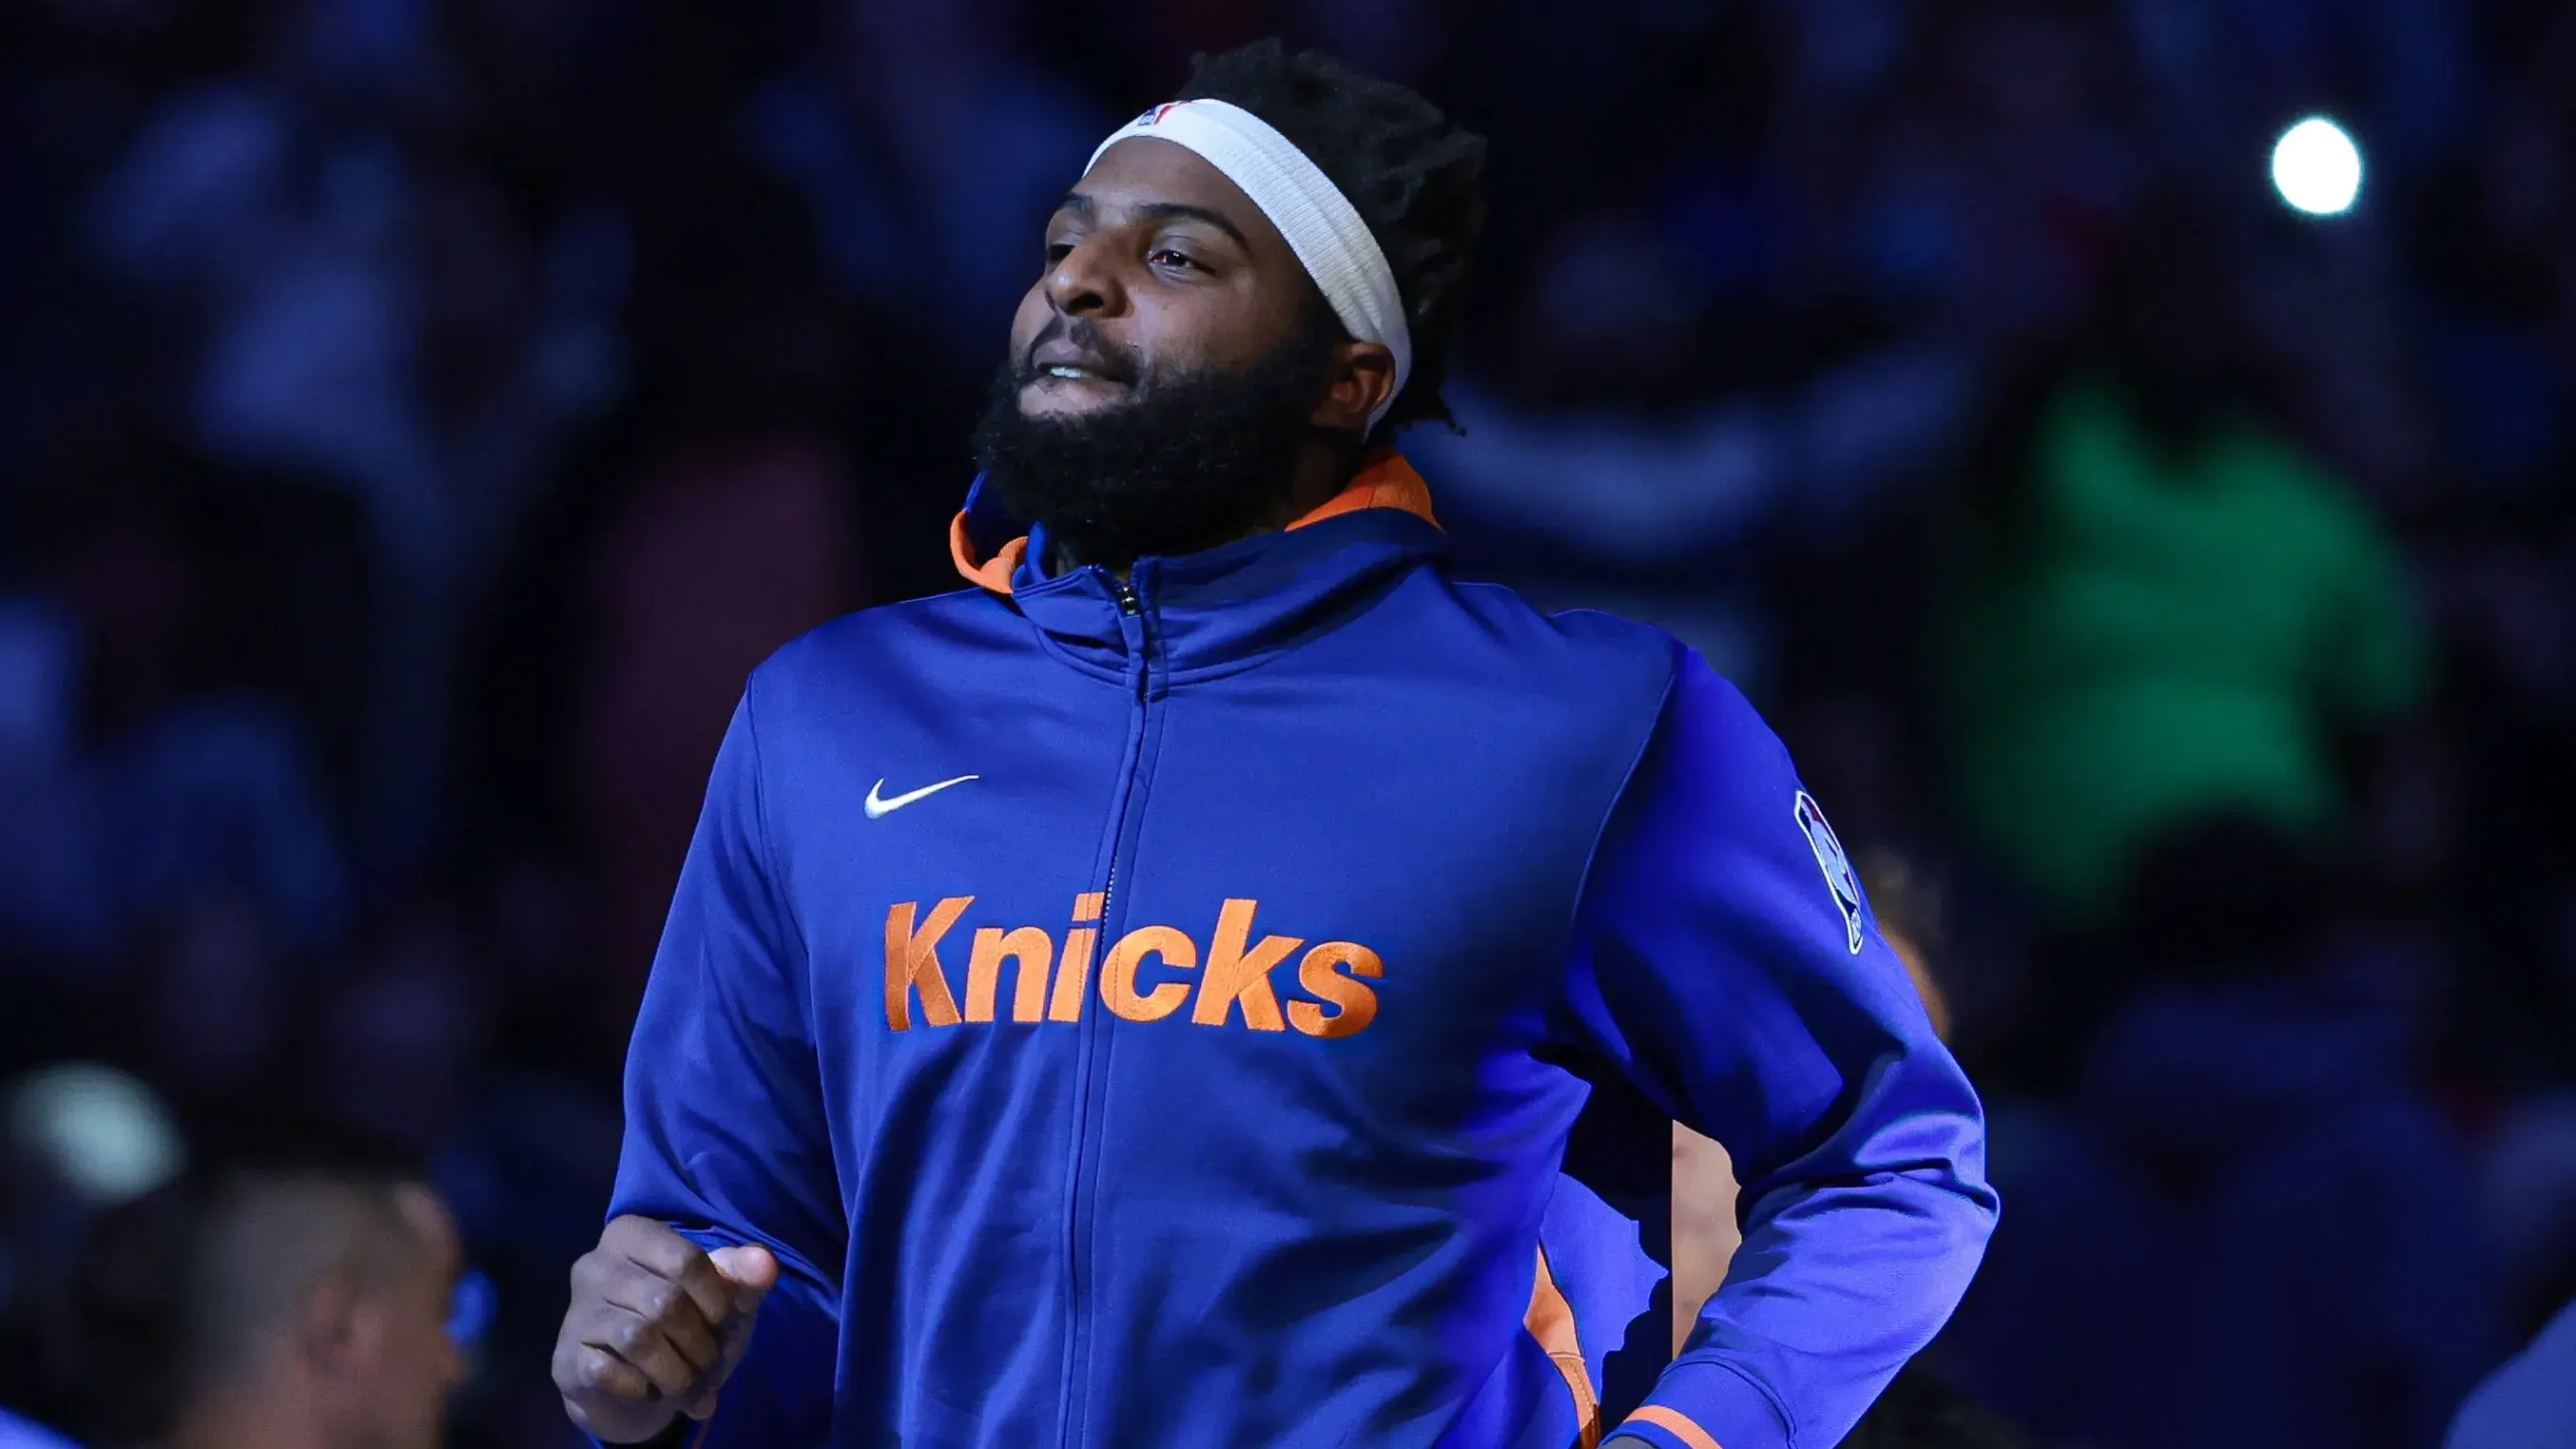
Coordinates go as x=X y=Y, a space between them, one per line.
x=1086 y=281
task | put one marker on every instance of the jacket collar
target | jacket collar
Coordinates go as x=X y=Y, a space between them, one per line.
x=988 y=546
x=1224 y=606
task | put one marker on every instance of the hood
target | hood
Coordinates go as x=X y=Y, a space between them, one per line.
x=990 y=547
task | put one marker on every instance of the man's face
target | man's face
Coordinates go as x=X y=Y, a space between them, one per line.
x=420 y=1367
x=1169 y=370
x=1157 y=267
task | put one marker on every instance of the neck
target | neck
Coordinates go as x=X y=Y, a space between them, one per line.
x=1324 y=469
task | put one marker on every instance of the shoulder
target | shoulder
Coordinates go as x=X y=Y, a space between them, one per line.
x=1582 y=647
x=836 y=666
x=1614 y=667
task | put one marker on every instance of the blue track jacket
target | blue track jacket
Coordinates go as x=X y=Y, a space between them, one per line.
x=1153 y=1014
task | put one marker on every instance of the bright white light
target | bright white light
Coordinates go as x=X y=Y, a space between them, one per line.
x=2317 y=168
x=105 y=1132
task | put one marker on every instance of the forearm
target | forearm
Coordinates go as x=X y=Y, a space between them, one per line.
x=1835 y=1287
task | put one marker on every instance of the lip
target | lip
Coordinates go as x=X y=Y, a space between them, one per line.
x=1051 y=396
x=1088 y=368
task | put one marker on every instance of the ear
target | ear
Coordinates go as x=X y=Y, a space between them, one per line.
x=339 y=1331
x=1363 y=378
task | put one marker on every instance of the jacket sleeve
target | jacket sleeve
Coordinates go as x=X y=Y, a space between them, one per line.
x=725 y=1134
x=1720 y=967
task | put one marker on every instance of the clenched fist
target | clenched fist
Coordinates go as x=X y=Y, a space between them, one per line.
x=656 y=1326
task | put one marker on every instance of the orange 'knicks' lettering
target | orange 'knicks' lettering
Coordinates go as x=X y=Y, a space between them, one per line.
x=912 y=963
x=1032 y=948
x=1233 y=974
x=1356 y=1002
x=1118 y=973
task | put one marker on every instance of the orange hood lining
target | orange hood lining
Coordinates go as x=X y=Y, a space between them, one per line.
x=1384 y=481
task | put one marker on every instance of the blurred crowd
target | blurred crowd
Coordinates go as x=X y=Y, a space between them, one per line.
x=417 y=417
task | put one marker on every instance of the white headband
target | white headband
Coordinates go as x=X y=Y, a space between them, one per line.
x=1321 y=225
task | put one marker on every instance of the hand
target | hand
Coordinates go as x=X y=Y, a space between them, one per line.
x=656 y=1327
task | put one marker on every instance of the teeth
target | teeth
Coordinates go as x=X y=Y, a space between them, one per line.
x=1071 y=372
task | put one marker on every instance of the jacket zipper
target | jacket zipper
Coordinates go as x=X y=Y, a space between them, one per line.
x=1095 y=1026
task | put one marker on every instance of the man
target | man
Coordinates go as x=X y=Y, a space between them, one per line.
x=274 y=1308
x=1143 y=1000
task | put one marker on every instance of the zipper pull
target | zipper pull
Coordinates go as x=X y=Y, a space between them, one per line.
x=1127 y=599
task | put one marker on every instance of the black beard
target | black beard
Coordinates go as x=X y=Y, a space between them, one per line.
x=1190 y=461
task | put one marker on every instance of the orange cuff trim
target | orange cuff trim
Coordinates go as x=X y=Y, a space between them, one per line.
x=1551 y=1322
x=1384 y=481
x=1676 y=1424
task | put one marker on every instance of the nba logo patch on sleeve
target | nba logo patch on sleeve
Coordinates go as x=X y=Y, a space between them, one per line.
x=1839 y=876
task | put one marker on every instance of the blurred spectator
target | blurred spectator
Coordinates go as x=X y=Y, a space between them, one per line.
x=981 y=139
x=362 y=307
x=732 y=529
x=273 y=1308
x=400 y=1043
x=2160 y=609
x=75 y=1139
x=2249 y=1227
x=2527 y=1188
x=1676 y=499
x=164 y=770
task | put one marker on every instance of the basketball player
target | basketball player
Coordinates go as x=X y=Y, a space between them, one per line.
x=1142 y=999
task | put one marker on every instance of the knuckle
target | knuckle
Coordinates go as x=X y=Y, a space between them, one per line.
x=641 y=1239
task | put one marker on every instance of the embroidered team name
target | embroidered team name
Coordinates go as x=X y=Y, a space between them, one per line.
x=1229 y=982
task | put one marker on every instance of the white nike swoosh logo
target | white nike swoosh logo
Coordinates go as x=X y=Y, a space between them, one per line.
x=879 y=808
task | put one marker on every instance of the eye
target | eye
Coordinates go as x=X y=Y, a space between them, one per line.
x=1172 y=257
x=1057 y=251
